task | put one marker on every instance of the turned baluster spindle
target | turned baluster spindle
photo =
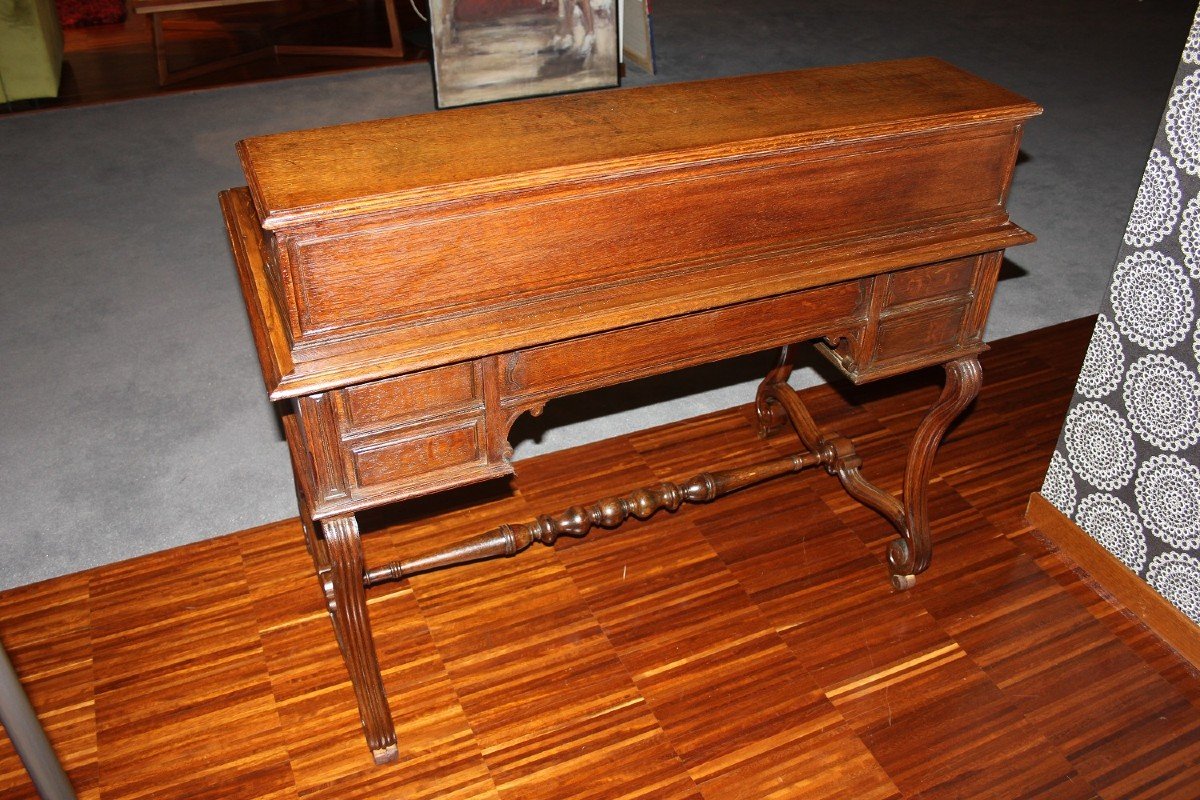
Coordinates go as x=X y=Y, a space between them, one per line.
x=610 y=512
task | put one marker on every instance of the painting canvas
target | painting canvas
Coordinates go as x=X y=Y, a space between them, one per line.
x=486 y=50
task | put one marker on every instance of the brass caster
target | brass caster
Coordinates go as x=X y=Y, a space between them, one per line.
x=902 y=583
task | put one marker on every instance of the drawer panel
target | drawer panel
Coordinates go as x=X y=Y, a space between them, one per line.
x=369 y=406
x=388 y=460
x=607 y=358
x=926 y=333
x=952 y=278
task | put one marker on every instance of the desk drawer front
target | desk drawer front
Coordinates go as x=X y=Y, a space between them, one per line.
x=606 y=358
x=378 y=404
x=951 y=279
x=932 y=330
x=383 y=460
x=386 y=440
x=918 y=317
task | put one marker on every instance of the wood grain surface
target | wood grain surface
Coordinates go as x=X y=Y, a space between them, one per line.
x=358 y=163
x=742 y=650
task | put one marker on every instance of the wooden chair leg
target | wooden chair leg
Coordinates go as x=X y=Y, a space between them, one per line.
x=348 y=609
x=393 y=21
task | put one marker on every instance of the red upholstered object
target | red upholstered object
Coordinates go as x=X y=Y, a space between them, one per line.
x=78 y=13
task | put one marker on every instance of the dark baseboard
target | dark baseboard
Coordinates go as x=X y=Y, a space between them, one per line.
x=1164 y=619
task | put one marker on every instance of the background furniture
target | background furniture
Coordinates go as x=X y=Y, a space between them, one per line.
x=157 y=8
x=637 y=38
x=31 y=48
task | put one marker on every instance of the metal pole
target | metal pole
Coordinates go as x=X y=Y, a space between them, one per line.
x=28 y=738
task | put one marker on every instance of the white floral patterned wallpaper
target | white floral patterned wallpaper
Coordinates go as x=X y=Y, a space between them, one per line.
x=1126 y=466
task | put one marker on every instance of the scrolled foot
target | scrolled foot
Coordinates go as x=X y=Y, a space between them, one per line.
x=902 y=566
x=771 y=416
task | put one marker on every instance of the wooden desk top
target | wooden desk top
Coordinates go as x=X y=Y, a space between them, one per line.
x=357 y=168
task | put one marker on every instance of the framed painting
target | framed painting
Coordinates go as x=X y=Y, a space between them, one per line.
x=485 y=50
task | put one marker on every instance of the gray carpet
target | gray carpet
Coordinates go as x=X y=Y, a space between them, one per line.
x=132 y=415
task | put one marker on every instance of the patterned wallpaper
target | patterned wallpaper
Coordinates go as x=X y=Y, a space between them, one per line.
x=1127 y=465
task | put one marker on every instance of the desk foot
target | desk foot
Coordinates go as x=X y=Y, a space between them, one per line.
x=386 y=756
x=347 y=600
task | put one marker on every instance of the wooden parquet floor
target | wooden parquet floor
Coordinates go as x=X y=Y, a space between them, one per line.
x=752 y=648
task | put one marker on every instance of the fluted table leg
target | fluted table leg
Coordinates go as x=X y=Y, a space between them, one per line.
x=348 y=609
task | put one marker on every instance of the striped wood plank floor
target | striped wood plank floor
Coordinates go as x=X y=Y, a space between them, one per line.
x=748 y=649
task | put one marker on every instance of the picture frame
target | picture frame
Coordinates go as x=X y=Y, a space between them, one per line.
x=637 y=37
x=488 y=50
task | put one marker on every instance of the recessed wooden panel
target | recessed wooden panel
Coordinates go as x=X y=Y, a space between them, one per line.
x=380 y=462
x=410 y=397
x=936 y=280
x=491 y=255
x=933 y=332
x=647 y=349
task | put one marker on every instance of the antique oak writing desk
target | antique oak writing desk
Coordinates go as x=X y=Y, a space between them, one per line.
x=415 y=284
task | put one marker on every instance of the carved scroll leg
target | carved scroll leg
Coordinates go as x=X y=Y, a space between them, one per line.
x=348 y=610
x=909 y=556
x=770 y=416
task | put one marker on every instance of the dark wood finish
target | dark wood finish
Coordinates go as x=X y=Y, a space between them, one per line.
x=416 y=284
x=1113 y=577
x=770 y=184
x=911 y=554
x=347 y=601
x=743 y=649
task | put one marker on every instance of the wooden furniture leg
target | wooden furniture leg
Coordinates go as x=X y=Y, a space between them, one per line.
x=156 y=8
x=345 y=591
x=908 y=556
x=160 y=49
